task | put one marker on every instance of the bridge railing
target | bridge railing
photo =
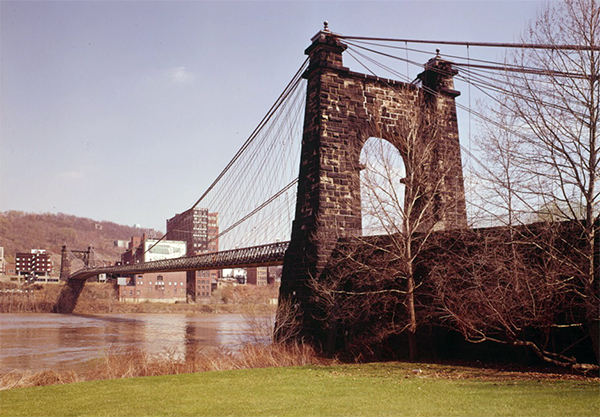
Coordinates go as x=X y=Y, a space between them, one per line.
x=262 y=255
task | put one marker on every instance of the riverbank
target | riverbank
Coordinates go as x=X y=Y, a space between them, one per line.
x=100 y=298
x=135 y=362
x=381 y=389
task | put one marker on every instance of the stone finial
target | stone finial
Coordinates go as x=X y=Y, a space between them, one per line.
x=327 y=41
x=438 y=75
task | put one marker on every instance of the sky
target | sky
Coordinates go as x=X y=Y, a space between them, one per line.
x=126 y=111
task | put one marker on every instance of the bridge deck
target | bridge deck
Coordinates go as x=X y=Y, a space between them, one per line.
x=263 y=255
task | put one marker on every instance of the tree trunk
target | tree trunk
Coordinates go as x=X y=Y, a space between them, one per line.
x=412 y=324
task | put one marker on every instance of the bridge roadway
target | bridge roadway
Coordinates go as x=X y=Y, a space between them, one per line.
x=263 y=255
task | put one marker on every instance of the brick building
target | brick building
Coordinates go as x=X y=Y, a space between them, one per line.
x=264 y=275
x=134 y=253
x=155 y=286
x=204 y=284
x=167 y=287
x=200 y=230
x=257 y=276
x=37 y=262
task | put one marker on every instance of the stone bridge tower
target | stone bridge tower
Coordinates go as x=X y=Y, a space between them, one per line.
x=343 y=110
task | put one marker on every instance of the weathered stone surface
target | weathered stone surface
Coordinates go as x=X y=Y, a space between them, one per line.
x=343 y=110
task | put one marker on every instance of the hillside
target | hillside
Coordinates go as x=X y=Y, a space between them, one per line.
x=21 y=232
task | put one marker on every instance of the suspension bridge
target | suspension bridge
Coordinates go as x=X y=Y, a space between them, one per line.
x=263 y=255
x=296 y=180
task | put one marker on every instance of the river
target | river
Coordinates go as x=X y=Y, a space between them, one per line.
x=37 y=342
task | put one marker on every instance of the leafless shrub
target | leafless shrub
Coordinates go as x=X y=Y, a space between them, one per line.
x=519 y=292
x=288 y=323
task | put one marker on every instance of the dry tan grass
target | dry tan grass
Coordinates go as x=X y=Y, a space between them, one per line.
x=134 y=362
x=15 y=379
x=33 y=298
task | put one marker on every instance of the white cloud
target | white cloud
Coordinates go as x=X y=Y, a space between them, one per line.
x=169 y=76
x=71 y=175
x=180 y=75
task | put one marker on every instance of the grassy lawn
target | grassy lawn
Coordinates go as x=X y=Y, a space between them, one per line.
x=390 y=389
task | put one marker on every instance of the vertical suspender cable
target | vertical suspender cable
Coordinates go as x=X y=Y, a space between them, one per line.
x=407 y=69
x=469 y=77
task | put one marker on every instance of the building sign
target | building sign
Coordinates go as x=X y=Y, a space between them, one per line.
x=165 y=249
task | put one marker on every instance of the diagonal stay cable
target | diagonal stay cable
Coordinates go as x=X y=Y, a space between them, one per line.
x=504 y=68
x=485 y=118
x=290 y=87
x=280 y=100
x=256 y=210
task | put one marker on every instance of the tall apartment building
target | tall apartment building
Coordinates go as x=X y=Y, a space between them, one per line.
x=199 y=229
x=37 y=262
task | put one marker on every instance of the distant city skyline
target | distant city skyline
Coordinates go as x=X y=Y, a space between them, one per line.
x=107 y=107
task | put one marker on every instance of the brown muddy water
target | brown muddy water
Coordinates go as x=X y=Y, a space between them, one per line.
x=37 y=342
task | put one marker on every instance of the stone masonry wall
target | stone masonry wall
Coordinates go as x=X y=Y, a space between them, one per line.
x=343 y=110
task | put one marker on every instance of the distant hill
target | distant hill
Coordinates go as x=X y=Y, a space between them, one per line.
x=21 y=232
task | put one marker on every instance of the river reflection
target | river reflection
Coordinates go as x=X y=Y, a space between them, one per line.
x=52 y=341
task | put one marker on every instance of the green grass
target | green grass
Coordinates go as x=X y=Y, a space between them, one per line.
x=346 y=390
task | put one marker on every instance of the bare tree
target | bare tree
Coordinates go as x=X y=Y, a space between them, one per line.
x=494 y=288
x=542 y=164
x=561 y=114
x=362 y=295
x=499 y=191
x=370 y=292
